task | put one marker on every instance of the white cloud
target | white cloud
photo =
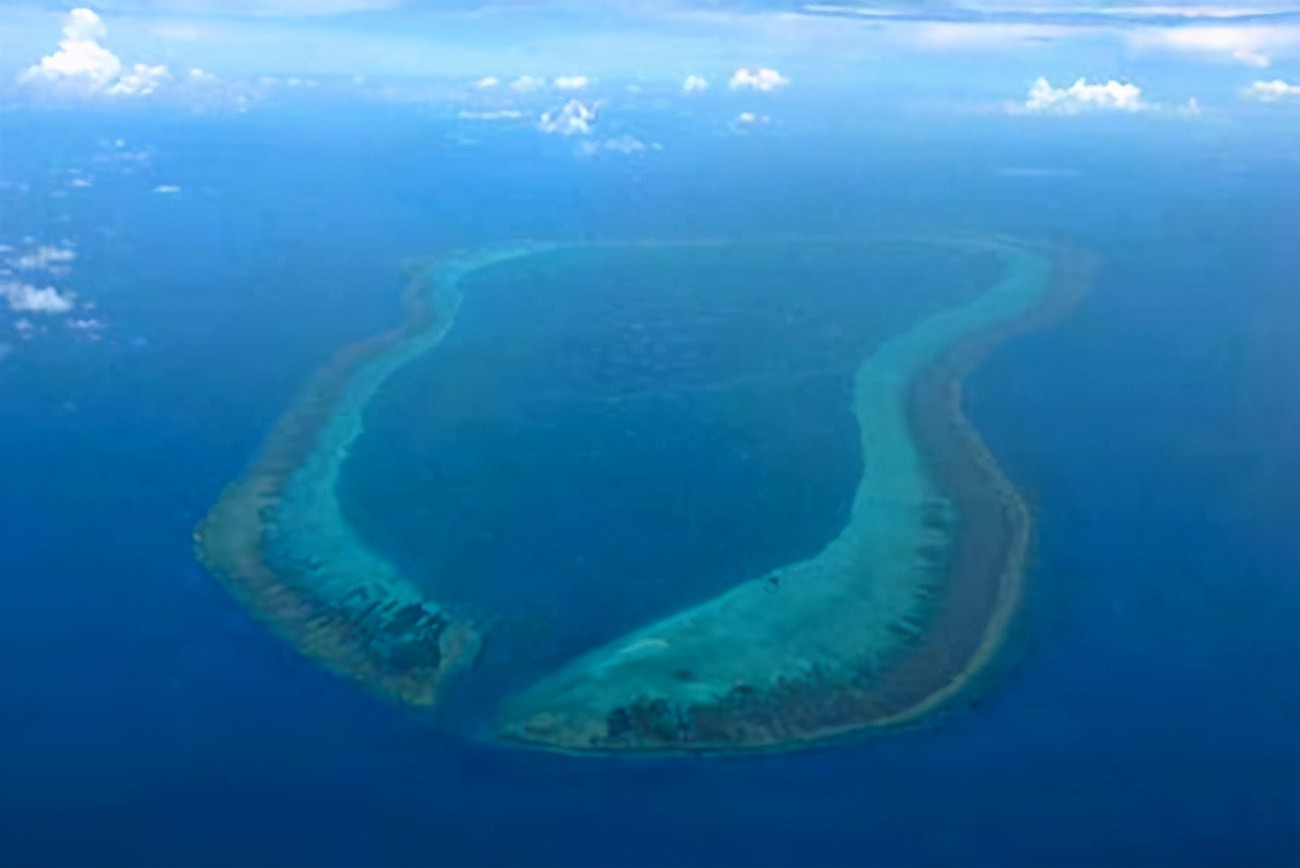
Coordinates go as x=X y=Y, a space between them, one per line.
x=487 y=81
x=623 y=144
x=572 y=82
x=1252 y=45
x=1082 y=96
x=115 y=153
x=26 y=298
x=1251 y=57
x=571 y=119
x=759 y=79
x=167 y=189
x=83 y=23
x=527 y=84
x=81 y=63
x=83 y=67
x=141 y=80
x=202 y=89
x=747 y=120
x=1208 y=34
x=46 y=257
x=695 y=84
x=88 y=326
x=1271 y=91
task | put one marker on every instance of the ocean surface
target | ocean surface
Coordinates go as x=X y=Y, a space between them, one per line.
x=1145 y=711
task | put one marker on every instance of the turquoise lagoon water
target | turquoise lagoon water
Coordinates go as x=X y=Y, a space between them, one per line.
x=626 y=421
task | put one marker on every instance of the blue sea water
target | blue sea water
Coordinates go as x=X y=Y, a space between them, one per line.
x=1147 y=712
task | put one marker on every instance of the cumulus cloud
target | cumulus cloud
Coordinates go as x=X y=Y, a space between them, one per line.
x=140 y=80
x=26 y=298
x=46 y=257
x=748 y=120
x=117 y=154
x=87 y=326
x=695 y=84
x=83 y=68
x=1082 y=96
x=1109 y=96
x=571 y=119
x=81 y=64
x=84 y=24
x=623 y=144
x=1271 y=91
x=572 y=82
x=167 y=189
x=487 y=81
x=527 y=84
x=759 y=79
x=202 y=89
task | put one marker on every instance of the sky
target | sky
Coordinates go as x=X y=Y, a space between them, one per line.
x=623 y=79
x=1038 y=57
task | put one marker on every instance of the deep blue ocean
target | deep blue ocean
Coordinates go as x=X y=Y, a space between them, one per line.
x=1147 y=711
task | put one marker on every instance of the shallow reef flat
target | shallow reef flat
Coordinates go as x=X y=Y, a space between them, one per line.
x=278 y=541
x=895 y=615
